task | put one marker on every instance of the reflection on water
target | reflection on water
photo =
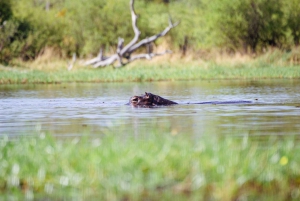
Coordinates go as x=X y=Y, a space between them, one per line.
x=75 y=109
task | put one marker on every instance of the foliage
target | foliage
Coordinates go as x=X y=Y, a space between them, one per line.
x=7 y=27
x=84 y=27
x=5 y=10
x=29 y=32
x=7 y=32
x=248 y=24
x=292 y=12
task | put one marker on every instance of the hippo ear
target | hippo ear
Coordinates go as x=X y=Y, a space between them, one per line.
x=147 y=94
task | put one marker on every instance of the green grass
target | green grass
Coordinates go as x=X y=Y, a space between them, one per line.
x=158 y=167
x=150 y=72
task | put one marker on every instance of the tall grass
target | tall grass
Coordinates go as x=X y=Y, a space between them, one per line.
x=151 y=72
x=159 y=167
x=275 y=64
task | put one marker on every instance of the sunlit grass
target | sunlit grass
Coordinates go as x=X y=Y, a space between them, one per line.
x=158 y=167
x=150 y=73
x=274 y=64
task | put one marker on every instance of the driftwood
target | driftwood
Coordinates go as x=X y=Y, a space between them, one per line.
x=124 y=52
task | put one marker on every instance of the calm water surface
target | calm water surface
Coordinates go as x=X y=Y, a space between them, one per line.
x=74 y=109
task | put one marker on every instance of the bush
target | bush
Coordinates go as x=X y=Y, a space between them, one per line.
x=29 y=31
x=5 y=10
x=97 y=23
x=248 y=24
x=7 y=31
x=69 y=26
x=292 y=14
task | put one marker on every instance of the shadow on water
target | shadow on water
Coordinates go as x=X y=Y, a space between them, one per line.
x=74 y=109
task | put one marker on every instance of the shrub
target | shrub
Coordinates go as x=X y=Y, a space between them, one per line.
x=248 y=24
x=69 y=26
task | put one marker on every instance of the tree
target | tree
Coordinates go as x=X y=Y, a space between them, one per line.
x=251 y=24
x=125 y=51
x=5 y=11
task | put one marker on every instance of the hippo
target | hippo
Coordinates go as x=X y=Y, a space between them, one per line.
x=152 y=100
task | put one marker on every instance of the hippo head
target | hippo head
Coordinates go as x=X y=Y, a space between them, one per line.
x=142 y=101
x=149 y=100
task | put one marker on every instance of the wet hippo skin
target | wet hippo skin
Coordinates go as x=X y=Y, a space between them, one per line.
x=151 y=100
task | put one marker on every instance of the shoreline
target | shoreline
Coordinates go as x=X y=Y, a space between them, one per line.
x=147 y=73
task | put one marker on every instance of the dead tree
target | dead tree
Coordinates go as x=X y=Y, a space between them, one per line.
x=125 y=52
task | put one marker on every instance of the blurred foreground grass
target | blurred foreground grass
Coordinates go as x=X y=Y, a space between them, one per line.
x=159 y=167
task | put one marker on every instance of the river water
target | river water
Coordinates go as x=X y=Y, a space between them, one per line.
x=75 y=109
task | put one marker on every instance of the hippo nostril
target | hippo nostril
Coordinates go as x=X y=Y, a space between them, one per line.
x=135 y=99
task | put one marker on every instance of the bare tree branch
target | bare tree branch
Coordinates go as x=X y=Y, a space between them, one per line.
x=144 y=56
x=106 y=62
x=135 y=29
x=153 y=38
x=148 y=56
x=99 y=58
x=71 y=63
x=119 y=49
x=133 y=45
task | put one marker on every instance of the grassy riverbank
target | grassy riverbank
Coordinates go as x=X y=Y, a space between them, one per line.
x=159 y=167
x=148 y=72
x=274 y=64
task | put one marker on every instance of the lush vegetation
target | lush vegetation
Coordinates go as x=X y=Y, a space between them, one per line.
x=274 y=65
x=164 y=72
x=30 y=27
x=159 y=166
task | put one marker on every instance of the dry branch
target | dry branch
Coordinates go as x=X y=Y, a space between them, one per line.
x=133 y=45
x=148 y=55
x=71 y=63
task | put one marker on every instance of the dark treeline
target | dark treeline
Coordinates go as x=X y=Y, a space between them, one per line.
x=29 y=27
